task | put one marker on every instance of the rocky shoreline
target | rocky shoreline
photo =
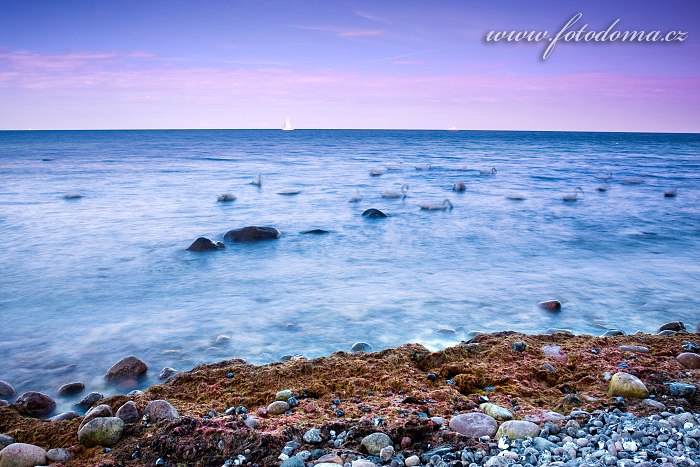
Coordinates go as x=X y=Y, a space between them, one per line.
x=498 y=399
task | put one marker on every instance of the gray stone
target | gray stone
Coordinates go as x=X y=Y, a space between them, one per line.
x=374 y=443
x=22 y=455
x=70 y=415
x=474 y=424
x=128 y=412
x=656 y=404
x=673 y=326
x=160 y=410
x=167 y=373
x=126 y=368
x=313 y=436
x=496 y=411
x=89 y=400
x=293 y=461
x=626 y=385
x=634 y=348
x=542 y=444
x=682 y=389
x=252 y=234
x=71 y=388
x=6 y=389
x=361 y=347
x=386 y=453
x=252 y=422
x=277 y=408
x=102 y=410
x=412 y=461
x=518 y=429
x=498 y=461
x=5 y=440
x=362 y=463
x=35 y=404
x=103 y=431
x=59 y=455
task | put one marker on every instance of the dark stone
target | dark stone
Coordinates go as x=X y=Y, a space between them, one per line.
x=71 y=388
x=252 y=234
x=691 y=347
x=126 y=368
x=6 y=389
x=550 y=305
x=613 y=332
x=682 y=389
x=519 y=346
x=315 y=232
x=372 y=213
x=673 y=326
x=204 y=244
x=361 y=347
x=89 y=400
x=128 y=412
x=35 y=404
x=439 y=451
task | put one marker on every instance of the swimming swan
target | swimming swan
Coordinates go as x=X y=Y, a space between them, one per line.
x=257 y=182
x=396 y=194
x=573 y=196
x=424 y=167
x=444 y=206
x=605 y=177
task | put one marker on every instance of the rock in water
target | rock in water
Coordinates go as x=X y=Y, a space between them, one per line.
x=22 y=455
x=689 y=360
x=474 y=424
x=673 y=326
x=374 y=443
x=35 y=404
x=361 y=347
x=89 y=400
x=126 y=368
x=128 y=412
x=204 y=244
x=373 y=214
x=626 y=385
x=6 y=389
x=167 y=373
x=315 y=232
x=103 y=431
x=518 y=429
x=70 y=415
x=496 y=411
x=252 y=234
x=160 y=410
x=71 y=388
x=550 y=305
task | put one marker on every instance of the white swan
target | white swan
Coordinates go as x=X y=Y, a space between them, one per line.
x=396 y=194
x=459 y=186
x=444 y=206
x=605 y=177
x=573 y=196
x=226 y=198
x=488 y=172
x=357 y=197
x=375 y=173
x=424 y=167
x=670 y=193
x=257 y=182
x=395 y=167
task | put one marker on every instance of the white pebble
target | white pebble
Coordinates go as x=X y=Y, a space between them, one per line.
x=629 y=446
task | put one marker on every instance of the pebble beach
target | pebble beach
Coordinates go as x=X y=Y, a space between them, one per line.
x=496 y=399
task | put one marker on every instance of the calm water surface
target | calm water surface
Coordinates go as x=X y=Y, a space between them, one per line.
x=86 y=282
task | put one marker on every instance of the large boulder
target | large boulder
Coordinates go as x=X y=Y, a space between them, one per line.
x=252 y=234
x=35 y=404
x=518 y=429
x=71 y=388
x=550 y=305
x=204 y=244
x=626 y=385
x=126 y=368
x=22 y=455
x=689 y=360
x=128 y=412
x=474 y=424
x=102 y=431
x=160 y=410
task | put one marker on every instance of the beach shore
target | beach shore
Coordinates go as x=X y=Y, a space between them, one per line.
x=566 y=385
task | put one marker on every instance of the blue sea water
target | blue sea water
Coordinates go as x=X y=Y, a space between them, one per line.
x=88 y=281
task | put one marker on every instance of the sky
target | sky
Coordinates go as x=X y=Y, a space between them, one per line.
x=119 y=64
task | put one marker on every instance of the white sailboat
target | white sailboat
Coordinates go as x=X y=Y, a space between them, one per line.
x=287 y=125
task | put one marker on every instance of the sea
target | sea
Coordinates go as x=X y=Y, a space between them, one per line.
x=87 y=281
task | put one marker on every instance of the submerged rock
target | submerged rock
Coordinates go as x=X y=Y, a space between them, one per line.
x=22 y=455
x=128 y=412
x=89 y=400
x=315 y=232
x=103 y=431
x=71 y=388
x=6 y=389
x=474 y=424
x=252 y=234
x=35 y=404
x=167 y=373
x=375 y=442
x=550 y=305
x=126 y=368
x=374 y=214
x=204 y=244
x=626 y=385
